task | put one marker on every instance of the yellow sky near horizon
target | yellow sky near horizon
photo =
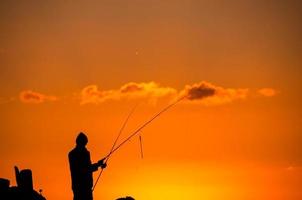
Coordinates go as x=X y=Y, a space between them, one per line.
x=71 y=66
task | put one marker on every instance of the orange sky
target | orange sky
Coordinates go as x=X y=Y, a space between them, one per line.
x=70 y=66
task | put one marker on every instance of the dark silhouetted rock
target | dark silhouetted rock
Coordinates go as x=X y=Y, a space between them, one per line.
x=24 y=189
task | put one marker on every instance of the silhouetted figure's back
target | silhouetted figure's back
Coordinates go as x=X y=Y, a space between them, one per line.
x=81 y=169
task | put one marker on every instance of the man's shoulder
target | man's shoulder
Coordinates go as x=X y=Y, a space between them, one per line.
x=77 y=151
x=72 y=152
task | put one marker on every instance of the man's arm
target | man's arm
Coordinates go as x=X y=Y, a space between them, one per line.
x=95 y=166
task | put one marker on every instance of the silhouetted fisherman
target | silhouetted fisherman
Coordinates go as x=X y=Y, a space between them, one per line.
x=81 y=169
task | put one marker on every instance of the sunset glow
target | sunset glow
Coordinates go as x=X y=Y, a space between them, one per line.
x=70 y=66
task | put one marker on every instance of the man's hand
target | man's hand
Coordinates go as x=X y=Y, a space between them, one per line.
x=102 y=163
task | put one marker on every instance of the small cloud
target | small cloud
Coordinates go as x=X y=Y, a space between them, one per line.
x=149 y=89
x=267 y=92
x=209 y=94
x=131 y=90
x=91 y=94
x=29 y=96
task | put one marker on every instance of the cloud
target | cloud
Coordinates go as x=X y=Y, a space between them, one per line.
x=91 y=94
x=132 y=87
x=203 y=93
x=267 y=92
x=198 y=91
x=209 y=94
x=149 y=90
x=29 y=96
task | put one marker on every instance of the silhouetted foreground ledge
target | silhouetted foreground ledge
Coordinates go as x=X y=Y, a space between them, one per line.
x=24 y=189
x=126 y=198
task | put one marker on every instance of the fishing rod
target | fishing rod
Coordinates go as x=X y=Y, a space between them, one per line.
x=144 y=125
x=136 y=132
x=112 y=148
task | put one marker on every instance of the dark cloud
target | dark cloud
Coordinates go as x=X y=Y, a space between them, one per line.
x=199 y=91
x=209 y=94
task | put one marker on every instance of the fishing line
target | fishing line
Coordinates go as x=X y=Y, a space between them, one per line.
x=112 y=148
x=141 y=146
x=144 y=125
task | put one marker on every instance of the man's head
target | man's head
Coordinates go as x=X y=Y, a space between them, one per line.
x=81 y=140
x=126 y=198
